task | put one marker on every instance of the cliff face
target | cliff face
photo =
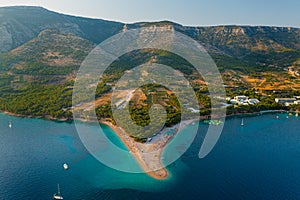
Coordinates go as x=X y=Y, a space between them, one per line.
x=241 y=40
x=243 y=45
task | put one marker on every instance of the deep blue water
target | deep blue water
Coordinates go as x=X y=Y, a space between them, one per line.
x=258 y=161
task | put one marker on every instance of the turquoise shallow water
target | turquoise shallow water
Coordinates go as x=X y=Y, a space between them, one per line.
x=258 y=161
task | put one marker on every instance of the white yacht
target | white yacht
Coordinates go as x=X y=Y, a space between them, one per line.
x=57 y=195
x=65 y=166
x=242 y=124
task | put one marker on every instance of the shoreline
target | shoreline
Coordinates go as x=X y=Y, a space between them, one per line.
x=137 y=150
x=258 y=113
x=48 y=117
x=149 y=154
x=150 y=162
x=201 y=118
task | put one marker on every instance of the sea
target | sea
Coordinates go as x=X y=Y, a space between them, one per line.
x=260 y=160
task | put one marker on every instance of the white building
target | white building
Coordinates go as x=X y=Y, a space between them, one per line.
x=288 y=101
x=253 y=101
x=233 y=101
x=241 y=98
x=244 y=103
x=285 y=100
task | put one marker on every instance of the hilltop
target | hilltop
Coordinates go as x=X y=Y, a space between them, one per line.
x=41 y=51
x=20 y=24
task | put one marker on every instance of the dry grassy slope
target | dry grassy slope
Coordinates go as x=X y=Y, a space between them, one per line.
x=51 y=57
x=56 y=40
x=54 y=48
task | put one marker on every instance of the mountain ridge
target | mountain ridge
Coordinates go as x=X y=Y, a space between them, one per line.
x=42 y=51
x=102 y=29
x=21 y=24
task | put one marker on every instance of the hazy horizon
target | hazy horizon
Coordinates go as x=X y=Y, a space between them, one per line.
x=194 y=13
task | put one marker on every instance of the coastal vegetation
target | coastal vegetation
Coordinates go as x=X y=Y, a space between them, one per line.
x=38 y=69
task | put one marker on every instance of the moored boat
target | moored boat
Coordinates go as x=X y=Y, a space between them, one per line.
x=65 y=166
x=58 y=195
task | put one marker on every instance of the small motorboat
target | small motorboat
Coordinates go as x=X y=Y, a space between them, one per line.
x=242 y=124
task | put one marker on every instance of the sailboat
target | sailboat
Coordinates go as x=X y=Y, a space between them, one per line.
x=57 y=195
x=66 y=167
x=9 y=123
x=242 y=124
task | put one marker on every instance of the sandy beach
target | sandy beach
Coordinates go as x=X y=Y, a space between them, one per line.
x=148 y=154
x=150 y=164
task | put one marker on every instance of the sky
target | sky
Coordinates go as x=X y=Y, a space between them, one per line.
x=185 y=12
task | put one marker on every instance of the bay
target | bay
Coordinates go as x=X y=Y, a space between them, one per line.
x=258 y=161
